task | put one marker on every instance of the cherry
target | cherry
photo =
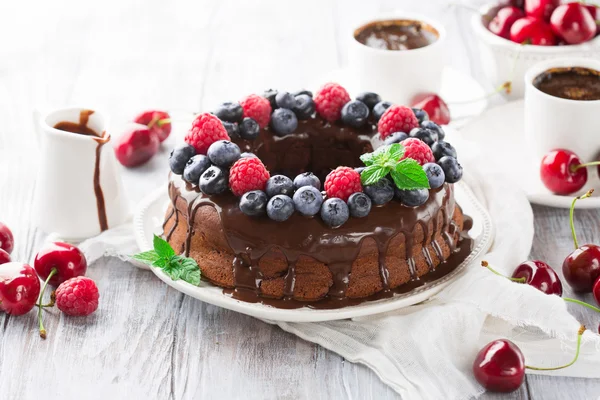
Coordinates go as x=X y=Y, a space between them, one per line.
x=529 y=30
x=573 y=23
x=503 y=20
x=435 y=106
x=596 y=291
x=61 y=260
x=19 y=288
x=7 y=241
x=539 y=275
x=159 y=122
x=500 y=366
x=562 y=172
x=136 y=145
x=540 y=9
x=4 y=257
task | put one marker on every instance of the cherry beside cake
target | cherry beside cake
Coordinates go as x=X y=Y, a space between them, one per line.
x=322 y=201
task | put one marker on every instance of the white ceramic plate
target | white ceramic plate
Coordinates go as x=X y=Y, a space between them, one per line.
x=148 y=221
x=500 y=133
x=464 y=95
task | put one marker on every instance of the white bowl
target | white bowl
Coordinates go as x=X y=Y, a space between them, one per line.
x=503 y=60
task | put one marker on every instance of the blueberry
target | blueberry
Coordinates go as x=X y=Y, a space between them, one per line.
x=280 y=207
x=441 y=149
x=425 y=135
x=452 y=169
x=432 y=126
x=303 y=91
x=435 y=175
x=247 y=154
x=279 y=184
x=334 y=212
x=213 y=181
x=380 y=108
x=253 y=203
x=230 y=112
x=223 y=153
x=355 y=113
x=304 y=107
x=421 y=115
x=180 y=156
x=270 y=95
x=308 y=200
x=395 y=137
x=307 y=179
x=359 y=169
x=195 y=168
x=369 y=98
x=380 y=192
x=249 y=129
x=412 y=198
x=359 y=204
x=285 y=100
x=232 y=129
x=283 y=121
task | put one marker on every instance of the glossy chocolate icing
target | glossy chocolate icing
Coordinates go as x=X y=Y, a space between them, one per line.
x=573 y=83
x=396 y=35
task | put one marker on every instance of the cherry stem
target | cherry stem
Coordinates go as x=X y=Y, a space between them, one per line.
x=40 y=305
x=584 y=165
x=581 y=303
x=579 y=335
x=159 y=122
x=572 y=211
x=487 y=265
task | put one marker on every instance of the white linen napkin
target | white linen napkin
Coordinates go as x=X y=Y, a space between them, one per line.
x=426 y=351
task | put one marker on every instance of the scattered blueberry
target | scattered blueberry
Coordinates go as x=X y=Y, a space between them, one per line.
x=195 y=168
x=452 y=169
x=180 y=156
x=435 y=175
x=380 y=108
x=280 y=207
x=213 y=181
x=307 y=179
x=279 y=184
x=334 y=212
x=303 y=91
x=285 y=100
x=232 y=129
x=223 y=153
x=380 y=192
x=283 y=121
x=304 y=107
x=432 y=126
x=355 y=113
x=412 y=198
x=441 y=149
x=249 y=129
x=369 y=98
x=359 y=169
x=247 y=154
x=425 y=135
x=359 y=204
x=421 y=115
x=230 y=112
x=308 y=200
x=253 y=203
x=395 y=137
x=270 y=95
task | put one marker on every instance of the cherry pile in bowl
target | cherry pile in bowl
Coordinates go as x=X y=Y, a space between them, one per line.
x=546 y=22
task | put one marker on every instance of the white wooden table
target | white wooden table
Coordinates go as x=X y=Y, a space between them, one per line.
x=121 y=56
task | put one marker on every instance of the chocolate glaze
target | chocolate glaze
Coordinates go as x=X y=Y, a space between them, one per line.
x=396 y=34
x=573 y=83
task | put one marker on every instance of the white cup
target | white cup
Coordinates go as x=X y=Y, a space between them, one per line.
x=79 y=192
x=553 y=122
x=398 y=75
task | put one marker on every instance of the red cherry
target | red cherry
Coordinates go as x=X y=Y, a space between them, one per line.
x=539 y=275
x=529 y=30
x=541 y=9
x=19 y=288
x=136 y=145
x=68 y=261
x=573 y=23
x=4 y=257
x=500 y=366
x=581 y=268
x=501 y=23
x=596 y=291
x=7 y=241
x=159 y=122
x=560 y=172
x=435 y=106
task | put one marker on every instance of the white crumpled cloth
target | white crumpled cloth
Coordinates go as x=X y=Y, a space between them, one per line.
x=426 y=351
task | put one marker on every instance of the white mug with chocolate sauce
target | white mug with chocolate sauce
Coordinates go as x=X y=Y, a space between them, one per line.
x=397 y=56
x=78 y=192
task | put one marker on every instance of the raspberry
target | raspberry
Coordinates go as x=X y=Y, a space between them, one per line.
x=248 y=174
x=342 y=182
x=206 y=129
x=330 y=100
x=397 y=119
x=418 y=151
x=258 y=108
x=77 y=296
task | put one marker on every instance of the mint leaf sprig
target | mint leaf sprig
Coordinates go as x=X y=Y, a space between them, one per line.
x=407 y=174
x=177 y=267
